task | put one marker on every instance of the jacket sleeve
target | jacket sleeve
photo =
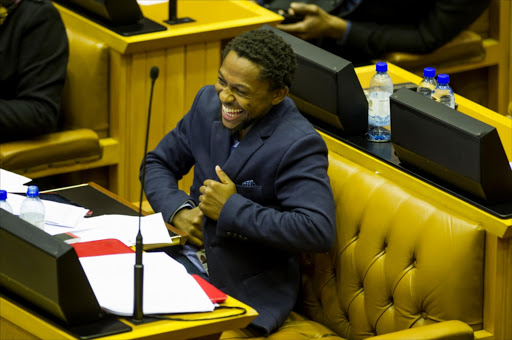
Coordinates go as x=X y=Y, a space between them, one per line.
x=41 y=73
x=167 y=164
x=445 y=20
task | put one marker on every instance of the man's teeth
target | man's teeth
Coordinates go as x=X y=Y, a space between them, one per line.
x=231 y=112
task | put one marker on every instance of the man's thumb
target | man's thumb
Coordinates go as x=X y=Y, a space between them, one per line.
x=222 y=175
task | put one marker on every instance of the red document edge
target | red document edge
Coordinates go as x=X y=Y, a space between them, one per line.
x=114 y=246
x=215 y=294
x=101 y=247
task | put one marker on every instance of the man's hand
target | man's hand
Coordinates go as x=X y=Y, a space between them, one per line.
x=190 y=221
x=215 y=194
x=317 y=23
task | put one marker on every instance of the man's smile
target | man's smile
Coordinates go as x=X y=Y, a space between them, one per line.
x=231 y=114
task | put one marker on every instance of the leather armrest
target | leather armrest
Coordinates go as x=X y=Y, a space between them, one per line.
x=79 y=145
x=449 y=330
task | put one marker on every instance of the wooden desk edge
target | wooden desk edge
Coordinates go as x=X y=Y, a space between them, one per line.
x=15 y=320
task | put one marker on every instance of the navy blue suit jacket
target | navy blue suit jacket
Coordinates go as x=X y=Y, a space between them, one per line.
x=283 y=204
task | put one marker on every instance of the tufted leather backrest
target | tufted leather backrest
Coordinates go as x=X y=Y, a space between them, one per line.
x=85 y=101
x=398 y=261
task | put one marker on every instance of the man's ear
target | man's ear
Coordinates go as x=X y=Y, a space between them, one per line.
x=280 y=95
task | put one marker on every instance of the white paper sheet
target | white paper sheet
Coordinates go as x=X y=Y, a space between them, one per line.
x=55 y=214
x=12 y=182
x=167 y=289
x=123 y=228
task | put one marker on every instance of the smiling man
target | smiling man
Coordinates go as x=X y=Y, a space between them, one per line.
x=260 y=194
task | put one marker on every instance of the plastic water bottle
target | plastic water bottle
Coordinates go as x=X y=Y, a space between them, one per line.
x=3 y=201
x=443 y=93
x=429 y=83
x=32 y=209
x=379 y=119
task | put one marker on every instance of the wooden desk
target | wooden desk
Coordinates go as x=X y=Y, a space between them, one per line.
x=18 y=322
x=188 y=56
x=497 y=311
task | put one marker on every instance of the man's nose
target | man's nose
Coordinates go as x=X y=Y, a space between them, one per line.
x=226 y=95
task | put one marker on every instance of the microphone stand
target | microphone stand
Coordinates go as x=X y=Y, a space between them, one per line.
x=173 y=15
x=138 y=314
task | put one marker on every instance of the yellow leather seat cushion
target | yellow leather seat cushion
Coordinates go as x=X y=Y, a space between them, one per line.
x=295 y=327
x=79 y=145
x=398 y=261
x=401 y=267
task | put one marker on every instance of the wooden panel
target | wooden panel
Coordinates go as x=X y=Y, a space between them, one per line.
x=174 y=98
x=137 y=99
x=195 y=69
x=159 y=107
x=183 y=71
x=10 y=331
x=118 y=122
x=213 y=54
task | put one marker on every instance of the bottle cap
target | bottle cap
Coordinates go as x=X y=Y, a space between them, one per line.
x=32 y=191
x=443 y=79
x=381 y=66
x=429 y=72
x=3 y=195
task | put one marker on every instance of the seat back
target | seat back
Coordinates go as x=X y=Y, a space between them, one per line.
x=398 y=261
x=85 y=101
x=84 y=122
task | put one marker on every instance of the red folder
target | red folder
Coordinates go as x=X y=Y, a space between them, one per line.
x=101 y=247
x=114 y=246
x=215 y=294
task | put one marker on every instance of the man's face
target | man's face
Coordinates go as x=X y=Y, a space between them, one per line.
x=244 y=96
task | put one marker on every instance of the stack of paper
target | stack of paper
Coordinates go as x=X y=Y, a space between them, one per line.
x=59 y=217
x=11 y=182
x=124 y=228
x=168 y=288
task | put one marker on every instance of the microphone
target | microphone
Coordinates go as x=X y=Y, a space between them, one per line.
x=138 y=314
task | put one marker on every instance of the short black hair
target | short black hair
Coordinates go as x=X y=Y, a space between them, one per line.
x=266 y=49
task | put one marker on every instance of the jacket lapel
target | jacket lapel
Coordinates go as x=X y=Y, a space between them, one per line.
x=220 y=144
x=250 y=144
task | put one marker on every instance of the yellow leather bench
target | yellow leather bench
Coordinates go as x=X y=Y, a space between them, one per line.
x=403 y=267
x=83 y=140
